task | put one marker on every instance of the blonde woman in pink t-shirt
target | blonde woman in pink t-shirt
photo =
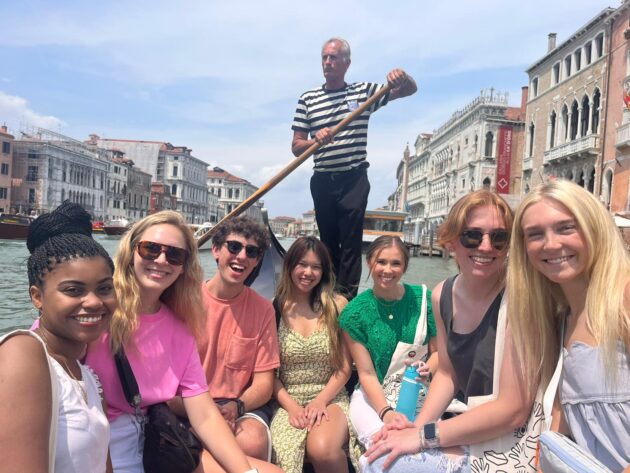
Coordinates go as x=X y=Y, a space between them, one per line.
x=157 y=280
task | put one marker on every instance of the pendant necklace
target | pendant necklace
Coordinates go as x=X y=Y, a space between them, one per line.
x=62 y=361
x=387 y=306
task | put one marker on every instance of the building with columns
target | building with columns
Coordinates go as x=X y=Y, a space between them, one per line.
x=567 y=89
x=49 y=168
x=232 y=191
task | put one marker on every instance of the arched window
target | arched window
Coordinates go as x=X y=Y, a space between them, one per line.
x=607 y=191
x=595 y=113
x=591 y=180
x=574 y=121
x=552 y=129
x=174 y=189
x=489 y=144
x=486 y=183
x=532 y=131
x=585 y=116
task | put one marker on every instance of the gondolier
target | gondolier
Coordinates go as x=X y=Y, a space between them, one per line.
x=340 y=185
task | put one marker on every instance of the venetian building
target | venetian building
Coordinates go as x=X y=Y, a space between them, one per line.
x=567 y=87
x=615 y=192
x=6 y=165
x=231 y=191
x=474 y=149
x=417 y=197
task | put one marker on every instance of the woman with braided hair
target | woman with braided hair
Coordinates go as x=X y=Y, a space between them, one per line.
x=50 y=406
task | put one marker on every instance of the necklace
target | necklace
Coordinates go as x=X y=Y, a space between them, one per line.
x=62 y=360
x=388 y=307
x=74 y=378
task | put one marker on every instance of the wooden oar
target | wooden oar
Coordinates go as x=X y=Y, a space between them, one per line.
x=292 y=166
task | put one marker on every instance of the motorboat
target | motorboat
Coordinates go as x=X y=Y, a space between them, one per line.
x=116 y=226
x=14 y=227
x=199 y=230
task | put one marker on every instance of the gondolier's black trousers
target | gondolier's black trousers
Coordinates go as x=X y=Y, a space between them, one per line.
x=340 y=199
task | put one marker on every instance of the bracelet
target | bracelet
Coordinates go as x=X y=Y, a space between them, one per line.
x=384 y=411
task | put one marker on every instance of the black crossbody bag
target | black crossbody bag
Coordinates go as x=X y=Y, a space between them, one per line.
x=170 y=446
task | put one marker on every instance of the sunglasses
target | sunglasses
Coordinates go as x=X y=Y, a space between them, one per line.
x=151 y=251
x=499 y=239
x=235 y=247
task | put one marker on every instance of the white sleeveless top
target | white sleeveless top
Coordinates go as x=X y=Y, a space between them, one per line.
x=82 y=429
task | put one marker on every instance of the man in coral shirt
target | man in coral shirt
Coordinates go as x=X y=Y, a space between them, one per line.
x=239 y=352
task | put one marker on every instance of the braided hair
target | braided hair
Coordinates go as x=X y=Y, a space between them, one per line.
x=58 y=236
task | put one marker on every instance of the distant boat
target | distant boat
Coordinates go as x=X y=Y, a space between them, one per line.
x=116 y=226
x=382 y=222
x=14 y=227
x=199 y=230
x=97 y=227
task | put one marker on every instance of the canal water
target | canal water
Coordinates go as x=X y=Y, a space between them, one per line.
x=16 y=310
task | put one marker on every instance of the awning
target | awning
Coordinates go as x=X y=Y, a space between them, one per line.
x=622 y=222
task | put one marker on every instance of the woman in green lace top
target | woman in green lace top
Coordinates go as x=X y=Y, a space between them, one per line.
x=375 y=322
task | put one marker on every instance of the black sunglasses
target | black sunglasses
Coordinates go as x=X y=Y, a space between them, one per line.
x=499 y=239
x=235 y=247
x=151 y=251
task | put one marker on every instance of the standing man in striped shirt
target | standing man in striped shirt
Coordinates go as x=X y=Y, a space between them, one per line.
x=340 y=185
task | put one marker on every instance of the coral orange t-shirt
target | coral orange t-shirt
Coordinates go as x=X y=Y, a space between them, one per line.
x=240 y=339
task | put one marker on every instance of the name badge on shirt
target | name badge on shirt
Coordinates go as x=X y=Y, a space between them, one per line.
x=353 y=105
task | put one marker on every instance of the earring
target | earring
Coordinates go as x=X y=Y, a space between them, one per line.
x=35 y=313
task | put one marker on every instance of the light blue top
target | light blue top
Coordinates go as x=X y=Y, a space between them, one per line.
x=596 y=406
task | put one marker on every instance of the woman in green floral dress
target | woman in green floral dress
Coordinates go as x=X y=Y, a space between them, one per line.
x=314 y=364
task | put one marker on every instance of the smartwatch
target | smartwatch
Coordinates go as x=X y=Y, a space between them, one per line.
x=240 y=407
x=430 y=435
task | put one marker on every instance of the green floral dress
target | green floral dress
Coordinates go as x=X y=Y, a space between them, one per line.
x=304 y=371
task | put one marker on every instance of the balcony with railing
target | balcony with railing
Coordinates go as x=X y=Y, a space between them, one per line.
x=527 y=164
x=623 y=136
x=580 y=146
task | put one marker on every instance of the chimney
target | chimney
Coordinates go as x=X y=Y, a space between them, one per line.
x=524 y=96
x=551 y=44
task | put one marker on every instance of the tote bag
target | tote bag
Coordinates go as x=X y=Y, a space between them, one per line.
x=516 y=450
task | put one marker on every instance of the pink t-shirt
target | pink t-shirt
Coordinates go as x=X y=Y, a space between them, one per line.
x=163 y=358
x=241 y=339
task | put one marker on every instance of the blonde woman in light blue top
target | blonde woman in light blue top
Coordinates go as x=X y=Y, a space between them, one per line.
x=569 y=273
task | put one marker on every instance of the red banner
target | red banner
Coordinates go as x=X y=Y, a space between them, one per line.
x=504 y=155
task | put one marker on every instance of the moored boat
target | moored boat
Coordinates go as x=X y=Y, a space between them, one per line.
x=199 y=230
x=116 y=226
x=14 y=227
x=97 y=227
x=382 y=222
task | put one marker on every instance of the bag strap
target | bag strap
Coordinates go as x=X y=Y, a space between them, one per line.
x=128 y=382
x=499 y=346
x=421 y=328
x=552 y=388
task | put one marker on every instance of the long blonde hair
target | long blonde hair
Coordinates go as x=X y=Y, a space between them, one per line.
x=321 y=298
x=183 y=297
x=537 y=305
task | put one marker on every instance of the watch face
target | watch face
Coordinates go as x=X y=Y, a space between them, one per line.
x=429 y=431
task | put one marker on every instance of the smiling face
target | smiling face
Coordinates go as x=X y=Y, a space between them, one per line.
x=553 y=242
x=307 y=273
x=76 y=299
x=485 y=261
x=154 y=277
x=387 y=267
x=234 y=268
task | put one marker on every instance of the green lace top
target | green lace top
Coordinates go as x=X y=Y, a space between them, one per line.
x=379 y=325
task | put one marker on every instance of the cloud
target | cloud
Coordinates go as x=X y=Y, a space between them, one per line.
x=15 y=111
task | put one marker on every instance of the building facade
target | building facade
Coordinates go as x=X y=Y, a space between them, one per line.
x=232 y=191
x=280 y=225
x=567 y=87
x=49 y=168
x=6 y=165
x=138 y=193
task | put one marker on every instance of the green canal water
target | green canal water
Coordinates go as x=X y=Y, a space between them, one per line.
x=16 y=309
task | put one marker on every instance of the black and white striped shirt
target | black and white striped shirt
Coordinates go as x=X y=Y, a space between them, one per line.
x=320 y=108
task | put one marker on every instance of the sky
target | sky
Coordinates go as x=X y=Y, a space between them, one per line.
x=223 y=78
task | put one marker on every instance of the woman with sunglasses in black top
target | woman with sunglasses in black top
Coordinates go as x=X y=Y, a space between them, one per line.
x=157 y=279
x=467 y=307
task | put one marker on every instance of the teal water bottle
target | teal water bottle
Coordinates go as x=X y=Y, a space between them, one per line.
x=409 y=392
